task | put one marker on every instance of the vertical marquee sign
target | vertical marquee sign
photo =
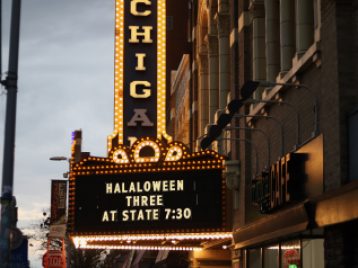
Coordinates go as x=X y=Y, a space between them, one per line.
x=149 y=192
x=140 y=71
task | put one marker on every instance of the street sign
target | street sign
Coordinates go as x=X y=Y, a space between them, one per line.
x=57 y=231
x=53 y=259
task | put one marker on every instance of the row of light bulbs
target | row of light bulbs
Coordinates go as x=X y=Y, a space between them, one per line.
x=137 y=247
x=118 y=77
x=94 y=241
x=177 y=151
x=150 y=237
x=161 y=73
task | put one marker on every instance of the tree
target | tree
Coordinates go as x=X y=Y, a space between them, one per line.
x=78 y=258
x=38 y=233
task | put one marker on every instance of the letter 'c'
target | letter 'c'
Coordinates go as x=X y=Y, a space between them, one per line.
x=134 y=8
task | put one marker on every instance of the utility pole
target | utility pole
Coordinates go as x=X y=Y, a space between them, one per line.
x=10 y=84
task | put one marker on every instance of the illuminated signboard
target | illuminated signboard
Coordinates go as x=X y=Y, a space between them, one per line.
x=150 y=188
x=292 y=178
x=282 y=183
x=140 y=71
x=147 y=202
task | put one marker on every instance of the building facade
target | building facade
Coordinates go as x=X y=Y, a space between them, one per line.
x=292 y=147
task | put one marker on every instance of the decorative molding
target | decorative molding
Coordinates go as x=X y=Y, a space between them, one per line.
x=311 y=56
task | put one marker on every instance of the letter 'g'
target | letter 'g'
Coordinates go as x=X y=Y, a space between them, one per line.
x=146 y=91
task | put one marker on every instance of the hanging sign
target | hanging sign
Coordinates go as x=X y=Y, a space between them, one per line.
x=140 y=71
x=58 y=201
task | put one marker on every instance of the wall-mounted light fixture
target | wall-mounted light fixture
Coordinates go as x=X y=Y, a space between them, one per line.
x=279 y=123
x=298 y=116
x=298 y=86
x=224 y=119
x=260 y=131
x=253 y=146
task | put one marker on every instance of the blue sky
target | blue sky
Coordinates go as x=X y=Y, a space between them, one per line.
x=65 y=83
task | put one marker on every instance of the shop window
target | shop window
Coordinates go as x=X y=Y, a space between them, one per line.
x=299 y=253
x=271 y=256
x=255 y=258
x=313 y=253
x=291 y=254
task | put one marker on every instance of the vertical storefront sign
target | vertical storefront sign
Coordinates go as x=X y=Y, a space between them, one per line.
x=58 y=201
x=140 y=72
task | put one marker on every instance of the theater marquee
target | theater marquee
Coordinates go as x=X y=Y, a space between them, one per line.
x=171 y=193
x=149 y=192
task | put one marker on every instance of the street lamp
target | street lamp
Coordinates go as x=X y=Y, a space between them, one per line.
x=58 y=158
x=10 y=84
x=61 y=158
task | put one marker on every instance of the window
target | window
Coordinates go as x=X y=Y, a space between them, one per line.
x=271 y=256
x=255 y=258
x=313 y=253
x=291 y=254
x=281 y=31
x=299 y=253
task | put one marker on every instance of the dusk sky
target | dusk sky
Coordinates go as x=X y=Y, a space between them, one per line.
x=65 y=83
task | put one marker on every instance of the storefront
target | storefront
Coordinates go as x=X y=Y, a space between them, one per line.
x=296 y=236
x=295 y=253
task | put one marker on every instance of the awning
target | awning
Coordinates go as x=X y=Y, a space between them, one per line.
x=285 y=222
x=338 y=206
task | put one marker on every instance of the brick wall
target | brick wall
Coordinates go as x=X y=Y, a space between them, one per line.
x=341 y=245
x=341 y=241
x=346 y=12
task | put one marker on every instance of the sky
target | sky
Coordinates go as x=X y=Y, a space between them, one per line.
x=65 y=83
